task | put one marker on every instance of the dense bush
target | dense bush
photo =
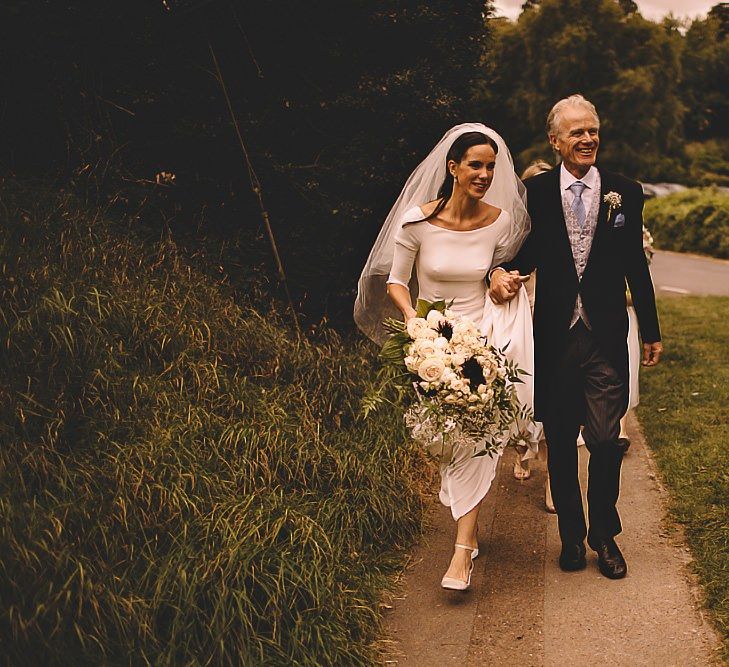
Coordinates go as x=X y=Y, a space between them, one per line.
x=709 y=162
x=695 y=220
x=182 y=479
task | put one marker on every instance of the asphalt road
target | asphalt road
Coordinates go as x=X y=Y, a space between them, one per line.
x=679 y=273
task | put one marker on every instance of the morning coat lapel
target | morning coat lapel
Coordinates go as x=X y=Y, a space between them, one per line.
x=601 y=228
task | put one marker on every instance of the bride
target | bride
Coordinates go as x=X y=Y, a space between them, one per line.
x=461 y=211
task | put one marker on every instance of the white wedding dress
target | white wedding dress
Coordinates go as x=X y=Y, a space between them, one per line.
x=452 y=265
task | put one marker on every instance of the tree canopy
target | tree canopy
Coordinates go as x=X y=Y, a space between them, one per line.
x=336 y=103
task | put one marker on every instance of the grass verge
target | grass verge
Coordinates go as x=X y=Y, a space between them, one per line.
x=182 y=480
x=684 y=411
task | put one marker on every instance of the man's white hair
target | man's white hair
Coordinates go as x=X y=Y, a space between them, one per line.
x=572 y=101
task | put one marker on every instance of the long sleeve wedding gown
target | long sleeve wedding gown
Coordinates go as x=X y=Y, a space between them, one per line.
x=452 y=265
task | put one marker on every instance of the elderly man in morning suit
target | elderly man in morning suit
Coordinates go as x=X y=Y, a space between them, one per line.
x=586 y=242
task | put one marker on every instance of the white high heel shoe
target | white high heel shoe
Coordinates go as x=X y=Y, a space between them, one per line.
x=453 y=584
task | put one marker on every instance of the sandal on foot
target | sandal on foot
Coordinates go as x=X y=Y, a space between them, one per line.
x=520 y=472
x=453 y=584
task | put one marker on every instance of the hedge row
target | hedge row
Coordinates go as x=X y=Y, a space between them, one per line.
x=695 y=220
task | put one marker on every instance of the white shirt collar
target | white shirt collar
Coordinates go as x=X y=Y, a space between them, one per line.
x=566 y=179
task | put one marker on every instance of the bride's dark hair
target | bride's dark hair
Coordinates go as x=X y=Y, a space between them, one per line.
x=456 y=152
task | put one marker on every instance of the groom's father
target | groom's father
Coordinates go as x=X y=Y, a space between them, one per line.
x=586 y=242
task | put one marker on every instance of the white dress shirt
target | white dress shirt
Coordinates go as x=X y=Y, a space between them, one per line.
x=589 y=179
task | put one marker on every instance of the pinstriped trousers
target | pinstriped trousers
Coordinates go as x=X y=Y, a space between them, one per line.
x=585 y=384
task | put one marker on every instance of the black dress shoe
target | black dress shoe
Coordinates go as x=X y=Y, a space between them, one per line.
x=572 y=557
x=610 y=560
x=624 y=445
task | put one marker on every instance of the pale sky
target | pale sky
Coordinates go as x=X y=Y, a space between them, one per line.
x=651 y=9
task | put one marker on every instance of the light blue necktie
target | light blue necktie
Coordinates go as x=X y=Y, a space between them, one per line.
x=578 y=206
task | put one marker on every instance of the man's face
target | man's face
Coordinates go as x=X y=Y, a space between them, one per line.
x=577 y=139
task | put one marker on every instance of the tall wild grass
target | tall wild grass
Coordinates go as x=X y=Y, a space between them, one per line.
x=182 y=480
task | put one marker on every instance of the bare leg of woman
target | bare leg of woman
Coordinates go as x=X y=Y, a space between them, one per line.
x=624 y=426
x=460 y=564
x=521 y=468
x=548 y=502
x=623 y=439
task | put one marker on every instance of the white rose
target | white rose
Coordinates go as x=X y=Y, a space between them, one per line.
x=441 y=342
x=456 y=383
x=424 y=347
x=465 y=328
x=431 y=369
x=458 y=359
x=416 y=326
x=435 y=318
x=411 y=363
x=448 y=375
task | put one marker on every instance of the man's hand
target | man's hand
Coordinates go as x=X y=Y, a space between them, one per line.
x=504 y=286
x=652 y=353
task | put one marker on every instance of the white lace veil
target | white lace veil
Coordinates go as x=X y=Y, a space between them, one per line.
x=507 y=192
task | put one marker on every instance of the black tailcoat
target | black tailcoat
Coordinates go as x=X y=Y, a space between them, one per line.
x=616 y=256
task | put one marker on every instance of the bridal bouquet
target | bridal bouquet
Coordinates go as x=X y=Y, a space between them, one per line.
x=464 y=388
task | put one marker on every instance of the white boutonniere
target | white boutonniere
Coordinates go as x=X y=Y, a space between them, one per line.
x=614 y=200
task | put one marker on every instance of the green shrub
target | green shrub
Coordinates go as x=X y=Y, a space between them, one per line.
x=709 y=162
x=182 y=480
x=695 y=220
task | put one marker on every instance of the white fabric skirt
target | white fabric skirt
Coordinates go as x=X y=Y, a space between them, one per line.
x=466 y=481
x=634 y=356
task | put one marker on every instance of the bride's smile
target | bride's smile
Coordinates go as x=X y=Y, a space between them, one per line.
x=475 y=171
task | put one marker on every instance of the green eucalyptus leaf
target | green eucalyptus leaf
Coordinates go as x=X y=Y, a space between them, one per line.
x=394 y=326
x=422 y=308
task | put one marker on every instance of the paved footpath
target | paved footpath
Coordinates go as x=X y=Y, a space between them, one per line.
x=678 y=273
x=523 y=610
